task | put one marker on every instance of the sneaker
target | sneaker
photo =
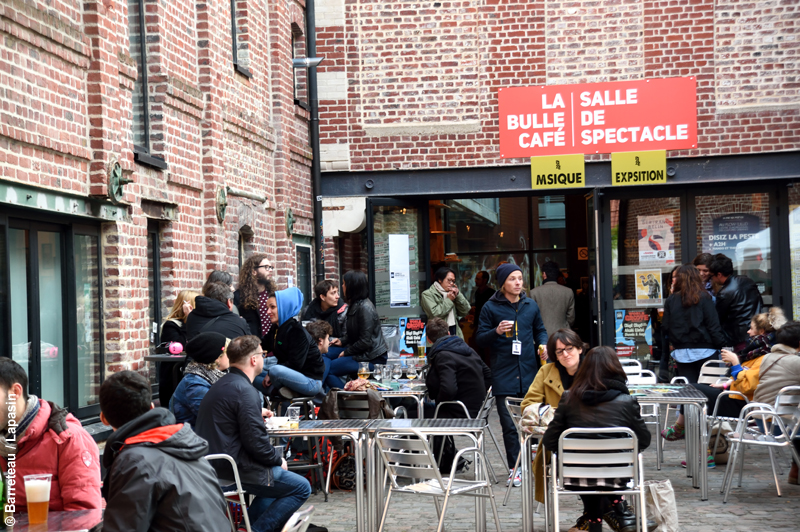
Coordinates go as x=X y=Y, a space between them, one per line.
x=674 y=433
x=581 y=524
x=711 y=463
x=463 y=465
x=517 y=479
x=286 y=393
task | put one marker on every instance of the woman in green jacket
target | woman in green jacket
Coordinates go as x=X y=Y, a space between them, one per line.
x=443 y=300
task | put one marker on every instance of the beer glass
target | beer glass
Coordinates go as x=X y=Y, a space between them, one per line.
x=37 y=491
x=509 y=332
x=363 y=370
x=294 y=416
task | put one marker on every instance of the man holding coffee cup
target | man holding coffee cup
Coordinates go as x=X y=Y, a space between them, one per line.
x=511 y=328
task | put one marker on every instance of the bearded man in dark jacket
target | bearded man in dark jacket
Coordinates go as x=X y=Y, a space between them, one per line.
x=738 y=300
x=456 y=373
x=158 y=478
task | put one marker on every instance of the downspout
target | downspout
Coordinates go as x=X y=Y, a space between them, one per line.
x=316 y=172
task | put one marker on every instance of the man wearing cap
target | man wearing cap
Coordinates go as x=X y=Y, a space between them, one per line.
x=511 y=327
x=206 y=363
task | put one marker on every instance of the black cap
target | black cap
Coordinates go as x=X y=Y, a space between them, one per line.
x=206 y=347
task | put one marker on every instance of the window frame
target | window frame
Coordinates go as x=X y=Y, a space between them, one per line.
x=142 y=154
x=241 y=69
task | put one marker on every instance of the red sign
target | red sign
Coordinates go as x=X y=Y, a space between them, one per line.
x=642 y=115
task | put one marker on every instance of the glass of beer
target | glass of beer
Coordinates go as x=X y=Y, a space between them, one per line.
x=37 y=491
x=510 y=332
x=363 y=370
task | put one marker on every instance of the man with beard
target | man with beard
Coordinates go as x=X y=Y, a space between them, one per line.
x=255 y=287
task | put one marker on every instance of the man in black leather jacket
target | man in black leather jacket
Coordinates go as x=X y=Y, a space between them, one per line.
x=738 y=300
x=230 y=419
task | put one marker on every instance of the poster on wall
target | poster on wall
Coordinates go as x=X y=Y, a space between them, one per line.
x=648 y=288
x=399 y=275
x=633 y=333
x=412 y=334
x=732 y=231
x=656 y=240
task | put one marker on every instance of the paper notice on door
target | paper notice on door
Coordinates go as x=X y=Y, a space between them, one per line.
x=399 y=276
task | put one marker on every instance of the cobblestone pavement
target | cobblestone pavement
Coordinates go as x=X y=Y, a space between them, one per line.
x=753 y=507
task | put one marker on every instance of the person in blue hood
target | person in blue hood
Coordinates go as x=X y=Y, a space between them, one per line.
x=511 y=327
x=300 y=367
x=456 y=373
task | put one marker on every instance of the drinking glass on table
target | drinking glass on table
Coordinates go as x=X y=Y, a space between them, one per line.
x=397 y=372
x=37 y=490
x=411 y=372
x=294 y=416
x=363 y=370
x=378 y=372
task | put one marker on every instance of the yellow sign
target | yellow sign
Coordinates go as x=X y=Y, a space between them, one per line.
x=558 y=171
x=639 y=168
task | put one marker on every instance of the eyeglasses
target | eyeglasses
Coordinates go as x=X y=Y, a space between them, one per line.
x=267 y=266
x=569 y=349
x=262 y=353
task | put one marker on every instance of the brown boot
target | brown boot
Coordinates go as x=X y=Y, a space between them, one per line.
x=793 y=474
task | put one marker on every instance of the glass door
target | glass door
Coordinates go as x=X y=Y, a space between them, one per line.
x=37 y=291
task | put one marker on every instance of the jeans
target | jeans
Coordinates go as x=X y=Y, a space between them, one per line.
x=294 y=380
x=275 y=504
x=258 y=382
x=344 y=366
x=510 y=438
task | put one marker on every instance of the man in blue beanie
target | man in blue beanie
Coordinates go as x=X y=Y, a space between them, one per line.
x=511 y=328
x=300 y=367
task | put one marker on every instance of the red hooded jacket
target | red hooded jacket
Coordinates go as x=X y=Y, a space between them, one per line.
x=70 y=455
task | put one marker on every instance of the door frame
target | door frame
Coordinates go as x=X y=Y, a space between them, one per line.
x=779 y=259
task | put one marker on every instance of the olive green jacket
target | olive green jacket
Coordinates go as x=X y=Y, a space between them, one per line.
x=436 y=305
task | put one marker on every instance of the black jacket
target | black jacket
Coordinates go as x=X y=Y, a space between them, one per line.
x=694 y=327
x=294 y=348
x=738 y=300
x=364 y=340
x=457 y=373
x=335 y=316
x=172 y=332
x=224 y=321
x=230 y=419
x=162 y=482
x=251 y=316
x=609 y=408
x=512 y=374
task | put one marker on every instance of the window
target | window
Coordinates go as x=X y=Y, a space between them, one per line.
x=51 y=274
x=154 y=293
x=300 y=75
x=240 y=38
x=794 y=248
x=137 y=33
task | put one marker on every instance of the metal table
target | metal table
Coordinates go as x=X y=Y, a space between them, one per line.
x=416 y=392
x=472 y=428
x=695 y=411
x=77 y=521
x=353 y=429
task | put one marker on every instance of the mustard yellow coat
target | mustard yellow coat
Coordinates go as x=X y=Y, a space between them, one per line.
x=546 y=388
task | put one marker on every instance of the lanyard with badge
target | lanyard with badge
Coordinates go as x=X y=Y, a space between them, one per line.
x=516 y=345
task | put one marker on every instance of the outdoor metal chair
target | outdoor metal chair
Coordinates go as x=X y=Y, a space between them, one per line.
x=579 y=457
x=713 y=419
x=237 y=496
x=631 y=366
x=746 y=434
x=650 y=412
x=786 y=401
x=299 y=521
x=407 y=455
x=712 y=371
x=483 y=414
x=514 y=406
x=674 y=380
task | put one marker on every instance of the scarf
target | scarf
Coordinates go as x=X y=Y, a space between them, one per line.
x=204 y=371
x=31 y=409
x=758 y=345
x=451 y=316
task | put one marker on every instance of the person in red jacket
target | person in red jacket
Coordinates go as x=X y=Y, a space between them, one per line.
x=37 y=436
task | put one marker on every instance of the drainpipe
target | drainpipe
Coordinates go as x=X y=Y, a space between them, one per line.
x=316 y=172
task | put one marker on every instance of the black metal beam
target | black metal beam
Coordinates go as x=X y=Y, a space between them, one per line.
x=508 y=180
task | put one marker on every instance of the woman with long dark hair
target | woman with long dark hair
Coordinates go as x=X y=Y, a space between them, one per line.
x=363 y=341
x=692 y=327
x=598 y=398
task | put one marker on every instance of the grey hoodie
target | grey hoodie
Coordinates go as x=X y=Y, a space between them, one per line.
x=786 y=372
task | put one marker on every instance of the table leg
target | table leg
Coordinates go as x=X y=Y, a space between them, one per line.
x=480 y=502
x=357 y=446
x=703 y=437
x=690 y=441
x=371 y=482
x=527 y=485
x=420 y=408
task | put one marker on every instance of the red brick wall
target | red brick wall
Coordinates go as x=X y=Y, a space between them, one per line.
x=404 y=66
x=66 y=80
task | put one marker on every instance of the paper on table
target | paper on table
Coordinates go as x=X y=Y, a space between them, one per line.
x=399 y=277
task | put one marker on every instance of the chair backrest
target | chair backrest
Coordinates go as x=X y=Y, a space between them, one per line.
x=228 y=458
x=487 y=406
x=712 y=371
x=406 y=454
x=514 y=407
x=793 y=425
x=631 y=366
x=353 y=405
x=787 y=400
x=645 y=377
x=587 y=458
x=299 y=521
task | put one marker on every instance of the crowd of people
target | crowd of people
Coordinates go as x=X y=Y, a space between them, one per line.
x=247 y=344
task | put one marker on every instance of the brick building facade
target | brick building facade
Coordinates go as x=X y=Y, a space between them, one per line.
x=74 y=103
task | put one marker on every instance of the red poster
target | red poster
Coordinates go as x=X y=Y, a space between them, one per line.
x=642 y=115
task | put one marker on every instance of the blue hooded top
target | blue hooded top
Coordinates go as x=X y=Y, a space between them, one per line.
x=289 y=302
